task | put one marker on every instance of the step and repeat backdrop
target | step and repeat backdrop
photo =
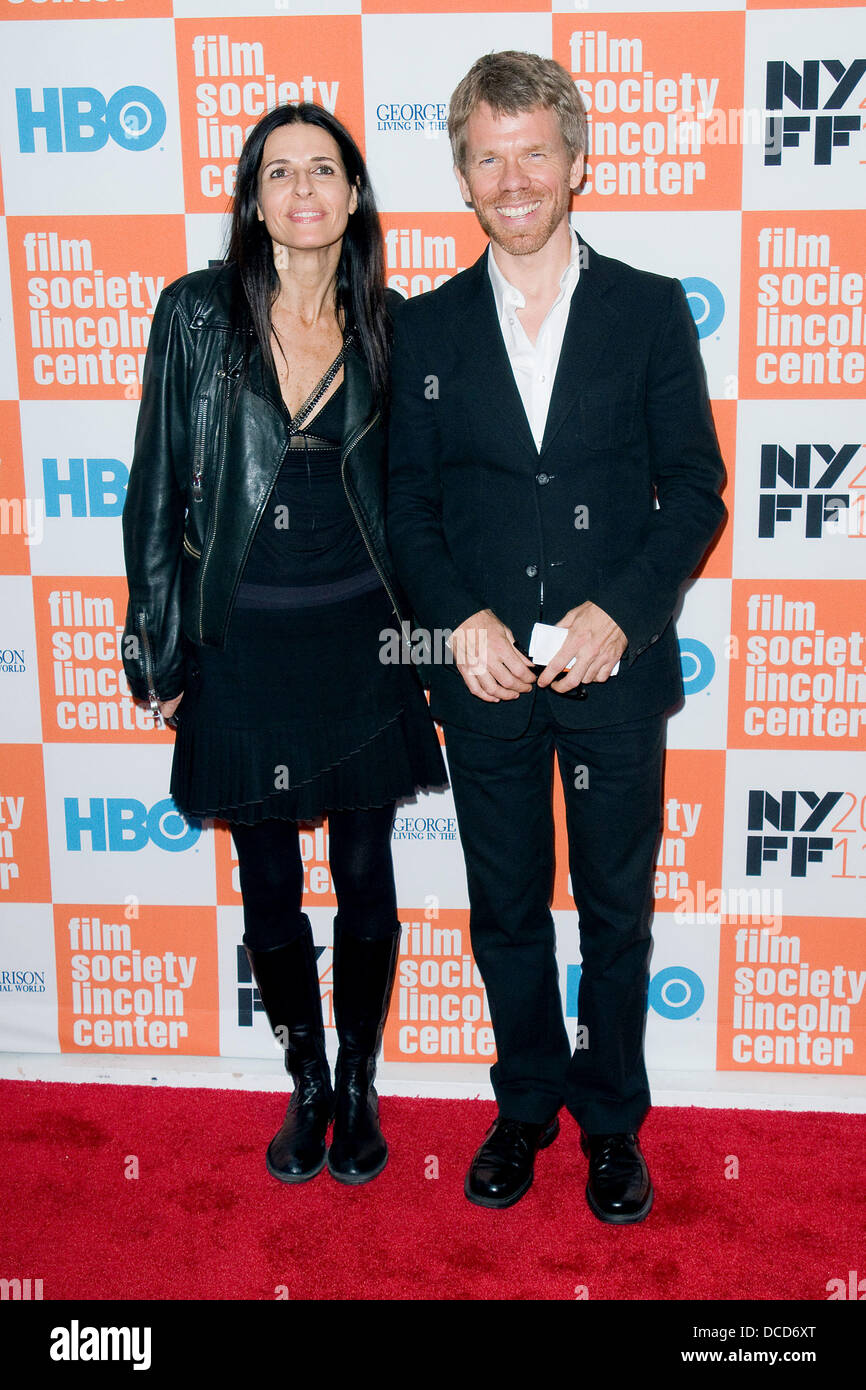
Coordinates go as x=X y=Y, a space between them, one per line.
x=728 y=149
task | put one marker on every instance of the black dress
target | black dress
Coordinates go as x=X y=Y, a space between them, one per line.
x=298 y=715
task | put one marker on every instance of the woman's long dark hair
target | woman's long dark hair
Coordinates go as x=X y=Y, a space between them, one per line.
x=361 y=270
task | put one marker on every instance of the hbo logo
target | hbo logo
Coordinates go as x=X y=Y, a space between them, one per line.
x=675 y=992
x=119 y=823
x=79 y=119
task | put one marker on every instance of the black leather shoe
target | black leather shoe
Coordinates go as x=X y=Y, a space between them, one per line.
x=619 y=1188
x=503 y=1168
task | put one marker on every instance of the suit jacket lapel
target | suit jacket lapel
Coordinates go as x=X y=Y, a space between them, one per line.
x=487 y=371
x=591 y=321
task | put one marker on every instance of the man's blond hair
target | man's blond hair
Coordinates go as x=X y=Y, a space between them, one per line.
x=509 y=83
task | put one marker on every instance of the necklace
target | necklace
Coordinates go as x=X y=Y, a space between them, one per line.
x=320 y=388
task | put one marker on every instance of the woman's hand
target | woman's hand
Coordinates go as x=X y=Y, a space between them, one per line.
x=168 y=707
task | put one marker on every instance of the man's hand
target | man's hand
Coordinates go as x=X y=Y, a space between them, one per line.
x=488 y=660
x=596 y=643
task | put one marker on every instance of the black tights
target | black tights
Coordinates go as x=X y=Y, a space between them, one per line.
x=272 y=876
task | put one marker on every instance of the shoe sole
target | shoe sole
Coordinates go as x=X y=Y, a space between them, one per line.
x=356 y=1179
x=500 y=1203
x=612 y=1220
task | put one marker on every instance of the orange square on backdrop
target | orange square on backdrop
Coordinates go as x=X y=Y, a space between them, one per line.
x=455 y=6
x=691 y=845
x=142 y=983
x=230 y=71
x=25 y=875
x=128 y=9
x=793 y=1001
x=802 y=306
x=82 y=688
x=83 y=294
x=424 y=249
x=659 y=91
x=318 y=884
x=439 y=1009
x=799 y=677
x=14 y=550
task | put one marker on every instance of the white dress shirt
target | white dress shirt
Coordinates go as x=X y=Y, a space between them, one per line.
x=534 y=364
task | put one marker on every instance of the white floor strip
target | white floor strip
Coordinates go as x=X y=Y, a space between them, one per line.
x=712 y=1090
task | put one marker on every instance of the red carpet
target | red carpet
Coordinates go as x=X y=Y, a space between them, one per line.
x=204 y=1220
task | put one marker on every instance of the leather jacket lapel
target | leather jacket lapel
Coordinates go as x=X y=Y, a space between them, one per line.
x=358 y=393
x=261 y=380
x=358 y=398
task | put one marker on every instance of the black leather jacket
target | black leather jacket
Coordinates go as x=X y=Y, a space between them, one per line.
x=208 y=447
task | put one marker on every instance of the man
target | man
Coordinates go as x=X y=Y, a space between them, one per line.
x=553 y=458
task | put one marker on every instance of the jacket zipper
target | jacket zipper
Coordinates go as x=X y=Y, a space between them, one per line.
x=208 y=547
x=369 y=425
x=198 y=452
x=148 y=671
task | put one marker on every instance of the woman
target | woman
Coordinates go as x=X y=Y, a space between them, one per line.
x=260 y=591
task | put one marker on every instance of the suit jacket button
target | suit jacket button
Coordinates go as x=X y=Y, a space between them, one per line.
x=542 y=478
x=532 y=571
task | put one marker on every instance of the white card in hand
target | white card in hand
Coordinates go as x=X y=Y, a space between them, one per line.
x=546 y=641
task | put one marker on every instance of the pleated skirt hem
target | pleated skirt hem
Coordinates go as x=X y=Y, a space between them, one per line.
x=226 y=774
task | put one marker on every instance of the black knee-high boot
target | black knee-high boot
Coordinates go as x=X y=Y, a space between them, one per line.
x=363 y=978
x=288 y=983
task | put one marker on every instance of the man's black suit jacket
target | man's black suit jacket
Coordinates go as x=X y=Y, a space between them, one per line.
x=479 y=518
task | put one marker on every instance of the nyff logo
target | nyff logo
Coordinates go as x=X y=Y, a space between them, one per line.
x=824 y=85
x=79 y=120
x=807 y=469
x=787 y=813
x=121 y=824
x=250 y=1000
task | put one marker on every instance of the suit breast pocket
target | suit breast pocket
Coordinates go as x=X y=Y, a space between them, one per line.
x=608 y=414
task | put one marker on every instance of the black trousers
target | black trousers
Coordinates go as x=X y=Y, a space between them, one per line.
x=612 y=782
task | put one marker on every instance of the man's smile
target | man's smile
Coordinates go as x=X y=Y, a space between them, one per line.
x=521 y=210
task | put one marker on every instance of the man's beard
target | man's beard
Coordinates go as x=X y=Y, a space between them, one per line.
x=521 y=243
